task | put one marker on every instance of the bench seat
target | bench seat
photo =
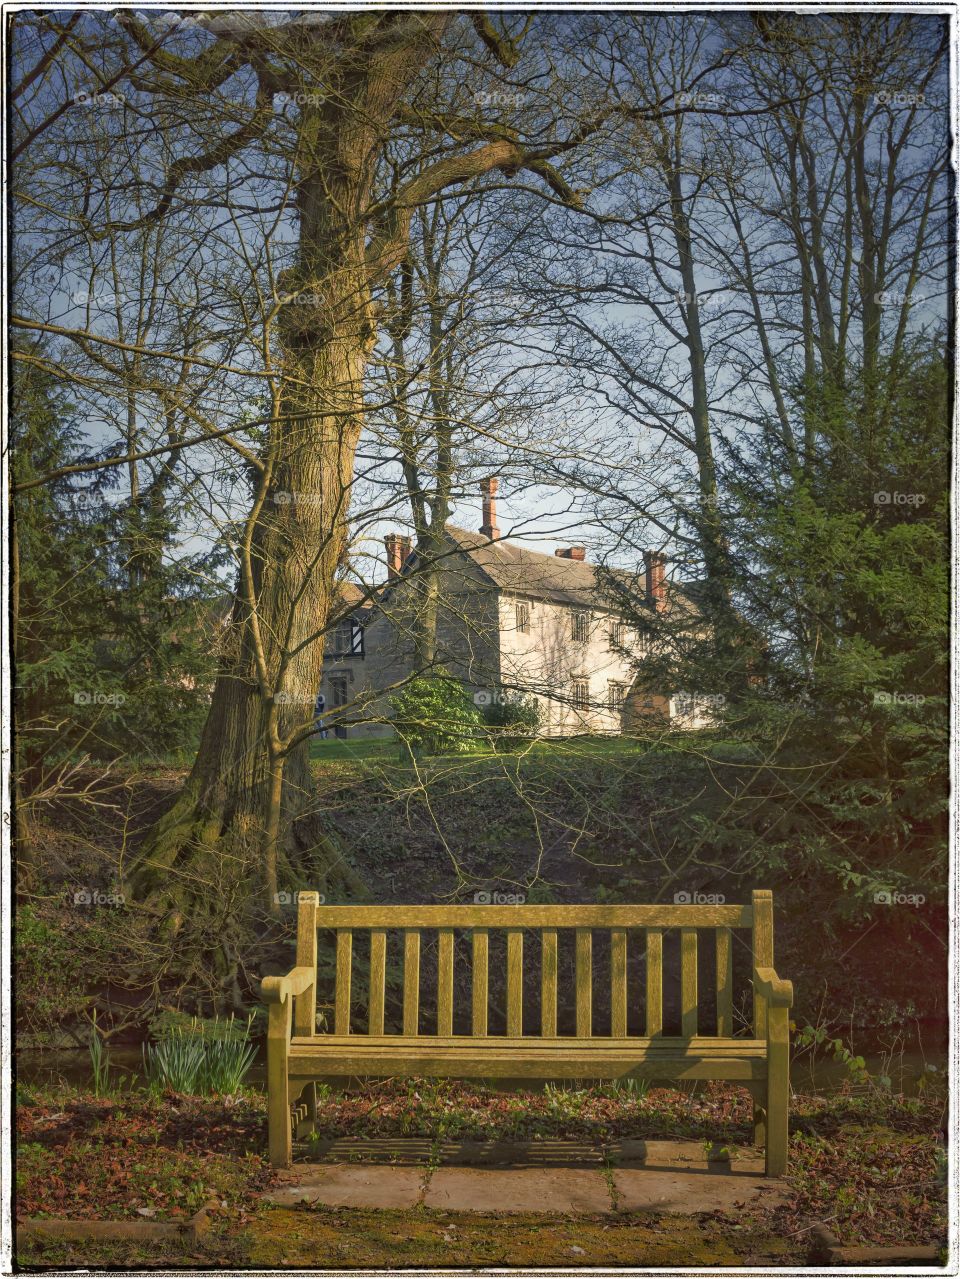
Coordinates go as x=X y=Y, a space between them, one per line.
x=499 y=1057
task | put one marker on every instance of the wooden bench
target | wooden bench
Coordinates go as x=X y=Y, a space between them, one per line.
x=297 y=1055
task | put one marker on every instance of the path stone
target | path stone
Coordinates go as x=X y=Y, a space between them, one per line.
x=649 y=1176
x=580 y=1190
x=692 y=1189
x=352 y=1186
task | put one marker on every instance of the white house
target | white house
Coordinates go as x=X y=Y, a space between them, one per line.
x=509 y=621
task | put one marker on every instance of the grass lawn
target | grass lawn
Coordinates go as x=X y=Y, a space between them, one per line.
x=871 y=1164
x=388 y=750
x=329 y=750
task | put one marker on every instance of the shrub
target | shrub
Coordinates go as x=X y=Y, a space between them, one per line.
x=51 y=986
x=437 y=715
x=514 y=721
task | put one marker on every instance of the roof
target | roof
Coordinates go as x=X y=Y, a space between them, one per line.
x=520 y=571
x=524 y=572
x=347 y=594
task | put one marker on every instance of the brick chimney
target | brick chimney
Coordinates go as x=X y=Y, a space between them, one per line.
x=398 y=548
x=488 y=490
x=572 y=552
x=656 y=565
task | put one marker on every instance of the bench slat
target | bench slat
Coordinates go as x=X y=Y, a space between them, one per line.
x=724 y=981
x=344 y=964
x=513 y=1058
x=378 y=978
x=445 y=983
x=514 y=981
x=411 y=980
x=584 y=983
x=671 y=916
x=762 y=952
x=618 y=983
x=481 y=949
x=688 y=981
x=654 y=981
x=548 y=982
x=675 y=1046
x=305 y=1007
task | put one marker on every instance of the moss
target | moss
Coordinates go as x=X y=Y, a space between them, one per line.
x=421 y=1238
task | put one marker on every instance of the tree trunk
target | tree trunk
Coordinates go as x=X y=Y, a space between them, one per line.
x=251 y=778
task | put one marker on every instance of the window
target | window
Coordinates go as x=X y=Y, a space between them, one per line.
x=348 y=638
x=343 y=638
x=616 y=695
x=581 y=694
x=580 y=628
x=618 y=634
x=523 y=618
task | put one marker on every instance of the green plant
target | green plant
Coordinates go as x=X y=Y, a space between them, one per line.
x=816 y=1037
x=199 y=1060
x=630 y=1086
x=99 y=1058
x=436 y=715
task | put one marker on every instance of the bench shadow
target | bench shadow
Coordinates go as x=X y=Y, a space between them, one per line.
x=550 y=1153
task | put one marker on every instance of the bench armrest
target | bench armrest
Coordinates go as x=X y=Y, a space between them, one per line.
x=777 y=992
x=274 y=990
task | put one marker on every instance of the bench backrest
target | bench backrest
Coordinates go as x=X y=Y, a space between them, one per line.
x=476 y=924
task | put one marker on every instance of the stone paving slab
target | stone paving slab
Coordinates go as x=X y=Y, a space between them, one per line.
x=554 y=1190
x=352 y=1186
x=646 y=1176
x=691 y=1190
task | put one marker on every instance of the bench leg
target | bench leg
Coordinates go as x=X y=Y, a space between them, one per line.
x=778 y=1090
x=310 y=1100
x=759 y=1118
x=280 y=1138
